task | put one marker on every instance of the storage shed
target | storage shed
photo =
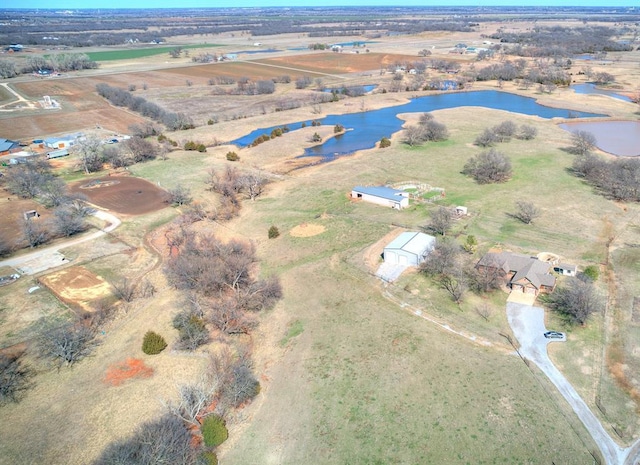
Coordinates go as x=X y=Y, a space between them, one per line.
x=409 y=248
x=382 y=195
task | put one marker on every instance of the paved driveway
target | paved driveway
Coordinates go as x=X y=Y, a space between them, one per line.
x=527 y=323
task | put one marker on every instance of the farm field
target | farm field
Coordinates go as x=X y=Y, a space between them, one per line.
x=351 y=369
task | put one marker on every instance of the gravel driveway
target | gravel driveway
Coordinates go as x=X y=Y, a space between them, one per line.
x=527 y=324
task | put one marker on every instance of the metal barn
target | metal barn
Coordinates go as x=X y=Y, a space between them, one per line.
x=409 y=248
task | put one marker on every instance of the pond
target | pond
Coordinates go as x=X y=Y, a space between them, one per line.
x=365 y=129
x=591 y=88
x=346 y=89
x=621 y=138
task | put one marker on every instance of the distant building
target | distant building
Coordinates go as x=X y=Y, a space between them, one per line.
x=15 y=48
x=8 y=146
x=382 y=195
x=565 y=269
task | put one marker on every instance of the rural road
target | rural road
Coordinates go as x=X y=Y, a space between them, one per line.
x=49 y=257
x=527 y=324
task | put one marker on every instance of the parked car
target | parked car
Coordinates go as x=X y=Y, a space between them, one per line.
x=554 y=335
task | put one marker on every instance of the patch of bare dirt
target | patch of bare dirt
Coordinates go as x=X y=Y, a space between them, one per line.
x=307 y=230
x=77 y=286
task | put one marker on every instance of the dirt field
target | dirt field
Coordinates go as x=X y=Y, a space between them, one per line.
x=339 y=63
x=123 y=194
x=77 y=286
x=11 y=212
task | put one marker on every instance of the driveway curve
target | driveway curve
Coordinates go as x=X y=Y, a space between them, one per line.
x=527 y=324
x=50 y=257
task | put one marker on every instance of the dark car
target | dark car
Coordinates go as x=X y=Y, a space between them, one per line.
x=554 y=335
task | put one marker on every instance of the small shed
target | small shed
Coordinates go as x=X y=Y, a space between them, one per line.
x=409 y=248
x=382 y=195
x=565 y=269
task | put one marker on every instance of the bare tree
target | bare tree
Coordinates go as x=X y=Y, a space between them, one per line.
x=124 y=289
x=526 y=211
x=442 y=258
x=90 y=151
x=486 y=278
x=454 y=282
x=34 y=233
x=5 y=247
x=441 y=221
x=577 y=300
x=15 y=378
x=583 y=142
x=193 y=399
x=488 y=167
x=252 y=184
x=162 y=441
x=527 y=132
x=484 y=310
x=179 y=196
x=413 y=135
x=67 y=344
x=140 y=149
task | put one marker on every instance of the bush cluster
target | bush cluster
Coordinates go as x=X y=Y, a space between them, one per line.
x=191 y=145
x=273 y=232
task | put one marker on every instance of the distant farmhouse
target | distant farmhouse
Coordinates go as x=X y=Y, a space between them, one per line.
x=382 y=195
x=523 y=273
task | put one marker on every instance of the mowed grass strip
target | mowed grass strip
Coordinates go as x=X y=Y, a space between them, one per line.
x=131 y=54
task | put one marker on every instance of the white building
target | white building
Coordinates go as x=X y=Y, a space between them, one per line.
x=409 y=248
x=382 y=195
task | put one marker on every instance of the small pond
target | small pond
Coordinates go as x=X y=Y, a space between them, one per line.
x=621 y=138
x=347 y=89
x=253 y=52
x=590 y=88
x=364 y=129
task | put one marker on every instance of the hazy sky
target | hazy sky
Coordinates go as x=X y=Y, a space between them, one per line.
x=73 y=4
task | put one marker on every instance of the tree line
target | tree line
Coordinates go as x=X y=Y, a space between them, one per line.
x=124 y=98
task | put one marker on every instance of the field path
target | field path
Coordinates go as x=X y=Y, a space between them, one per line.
x=49 y=257
x=19 y=98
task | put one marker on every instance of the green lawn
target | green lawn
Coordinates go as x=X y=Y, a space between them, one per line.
x=130 y=54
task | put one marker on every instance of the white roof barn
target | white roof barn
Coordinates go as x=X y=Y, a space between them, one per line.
x=409 y=248
x=382 y=195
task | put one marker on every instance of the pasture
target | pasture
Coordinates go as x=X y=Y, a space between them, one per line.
x=134 y=53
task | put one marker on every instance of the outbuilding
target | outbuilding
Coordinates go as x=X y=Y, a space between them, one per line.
x=409 y=248
x=382 y=195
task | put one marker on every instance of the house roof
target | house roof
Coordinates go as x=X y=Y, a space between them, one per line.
x=413 y=242
x=382 y=192
x=525 y=268
x=6 y=145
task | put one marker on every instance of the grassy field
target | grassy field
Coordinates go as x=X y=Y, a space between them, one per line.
x=131 y=54
x=348 y=373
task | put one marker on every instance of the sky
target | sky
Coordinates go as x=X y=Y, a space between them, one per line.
x=78 y=4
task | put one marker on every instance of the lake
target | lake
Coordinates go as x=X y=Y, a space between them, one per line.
x=365 y=129
x=621 y=138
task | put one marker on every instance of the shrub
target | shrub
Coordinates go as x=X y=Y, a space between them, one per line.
x=338 y=128
x=385 y=142
x=591 y=272
x=210 y=458
x=153 y=343
x=273 y=232
x=316 y=137
x=214 y=431
x=232 y=156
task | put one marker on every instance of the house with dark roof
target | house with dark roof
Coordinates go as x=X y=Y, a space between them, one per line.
x=8 y=146
x=382 y=195
x=523 y=273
